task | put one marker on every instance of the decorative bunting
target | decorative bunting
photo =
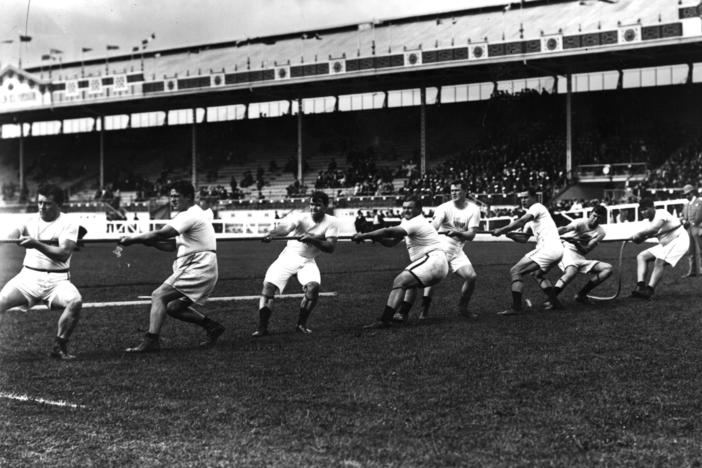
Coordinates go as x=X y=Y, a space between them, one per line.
x=413 y=58
x=217 y=80
x=337 y=66
x=477 y=51
x=282 y=73
x=630 y=34
x=120 y=83
x=72 y=88
x=95 y=86
x=552 y=43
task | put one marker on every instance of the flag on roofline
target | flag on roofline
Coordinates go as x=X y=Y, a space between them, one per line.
x=24 y=38
x=112 y=47
x=147 y=40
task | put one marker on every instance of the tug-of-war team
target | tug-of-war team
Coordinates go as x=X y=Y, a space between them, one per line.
x=435 y=249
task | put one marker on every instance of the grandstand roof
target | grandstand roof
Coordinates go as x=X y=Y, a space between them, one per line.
x=509 y=22
x=496 y=28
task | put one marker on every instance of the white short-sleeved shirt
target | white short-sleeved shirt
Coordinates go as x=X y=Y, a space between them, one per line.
x=299 y=224
x=449 y=217
x=544 y=227
x=670 y=222
x=195 y=231
x=54 y=233
x=421 y=238
x=584 y=233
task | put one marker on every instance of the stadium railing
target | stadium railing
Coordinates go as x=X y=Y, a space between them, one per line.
x=254 y=224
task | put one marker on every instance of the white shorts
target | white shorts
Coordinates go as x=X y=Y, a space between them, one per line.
x=287 y=265
x=430 y=269
x=195 y=275
x=458 y=261
x=546 y=257
x=571 y=257
x=53 y=289
x=673 y=251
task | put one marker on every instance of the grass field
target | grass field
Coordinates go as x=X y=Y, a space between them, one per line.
x=609 y=385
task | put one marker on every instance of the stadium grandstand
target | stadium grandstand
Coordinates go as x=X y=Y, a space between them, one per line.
x=582 y=99
x=578 y=104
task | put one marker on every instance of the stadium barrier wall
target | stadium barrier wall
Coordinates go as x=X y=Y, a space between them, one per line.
x=252 y=223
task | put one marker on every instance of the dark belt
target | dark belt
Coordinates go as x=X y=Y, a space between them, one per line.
x=47 y=271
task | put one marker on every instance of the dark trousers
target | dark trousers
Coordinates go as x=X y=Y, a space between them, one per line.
x=694 y=254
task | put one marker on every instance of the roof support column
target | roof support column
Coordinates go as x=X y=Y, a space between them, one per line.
x=569 y=126
x=102 y=151
x=423 y=131
x=299 y=141
x=193 y=149
x=21 y=159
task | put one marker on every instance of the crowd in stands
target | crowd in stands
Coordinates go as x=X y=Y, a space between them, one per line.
x=296 y=189
x=371 y=220
x=111 y=200
x=517 y=141
x=495 y=169
x=575 y=205
x=361 y=175
x=218 y=192
x=683 y=167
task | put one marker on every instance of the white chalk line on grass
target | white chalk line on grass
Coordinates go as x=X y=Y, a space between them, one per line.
x=61 y=403
x=249 y=298
x=143 y=300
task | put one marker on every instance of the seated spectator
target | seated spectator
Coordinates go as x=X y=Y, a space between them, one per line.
x=576 y=206
x=247 y=179
x=296 y=189
x=360 y=223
